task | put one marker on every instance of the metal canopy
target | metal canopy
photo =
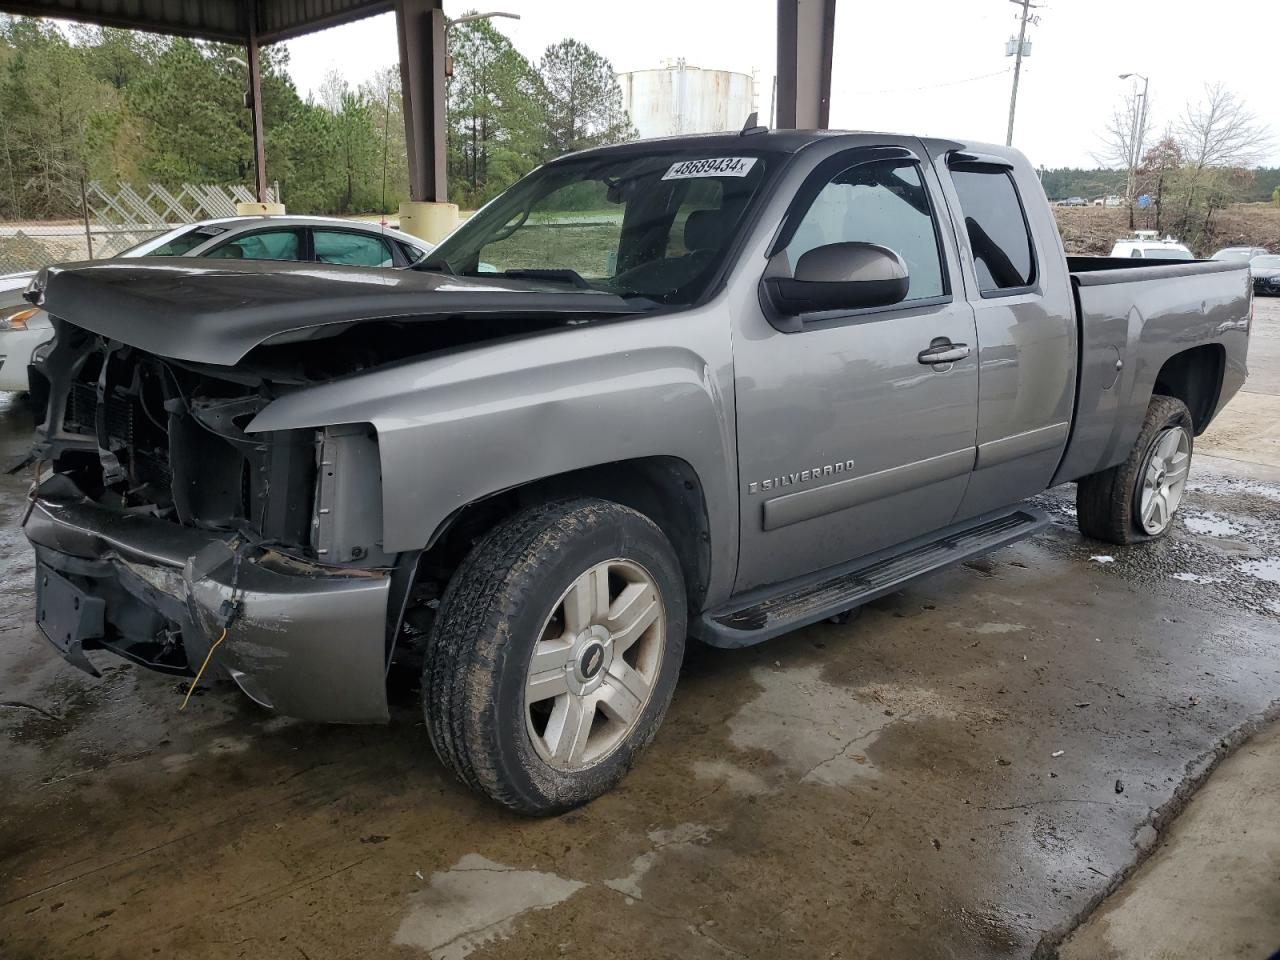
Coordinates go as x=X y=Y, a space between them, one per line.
x=229 y=21
x=805 y=33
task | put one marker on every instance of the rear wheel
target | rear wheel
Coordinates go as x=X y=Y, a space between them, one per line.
x=1136 y=500
x=554 y=654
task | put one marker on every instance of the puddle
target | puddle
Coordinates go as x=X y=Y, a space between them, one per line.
x=1213 y=525
x=1197 y=578
x=684 y=835
x=1268 y=568
x=476 y=902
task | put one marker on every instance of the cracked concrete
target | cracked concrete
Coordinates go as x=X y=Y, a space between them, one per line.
x=886 y=787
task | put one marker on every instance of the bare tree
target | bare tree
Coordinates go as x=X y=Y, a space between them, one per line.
x=1217 y=134
x=1123 y=140
x=1220 y=131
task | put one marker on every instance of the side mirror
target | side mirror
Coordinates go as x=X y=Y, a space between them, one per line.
x=840 y=276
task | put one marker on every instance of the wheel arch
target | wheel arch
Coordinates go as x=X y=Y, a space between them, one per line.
x=1195 y=377
x=666 y=489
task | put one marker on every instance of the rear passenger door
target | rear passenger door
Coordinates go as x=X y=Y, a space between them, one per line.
x=848 y=439
x=1026 y=329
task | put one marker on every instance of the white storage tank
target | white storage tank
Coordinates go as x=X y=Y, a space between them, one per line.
x=679 y=98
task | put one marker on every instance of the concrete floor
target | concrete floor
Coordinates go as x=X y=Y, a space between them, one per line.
x=885 y=788
x=1212 y=889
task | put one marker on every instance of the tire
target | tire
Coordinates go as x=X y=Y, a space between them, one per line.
x=1109 y=504
x=532 y=584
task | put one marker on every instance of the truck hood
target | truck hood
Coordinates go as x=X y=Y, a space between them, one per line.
x=216 y=312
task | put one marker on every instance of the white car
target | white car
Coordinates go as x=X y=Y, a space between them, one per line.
x=312 y=239
x=1151 y=248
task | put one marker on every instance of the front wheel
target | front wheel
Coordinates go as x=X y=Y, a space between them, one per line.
x=1136 y=500
x=554 y=654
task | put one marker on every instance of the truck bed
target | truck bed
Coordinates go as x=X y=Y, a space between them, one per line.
x=1134 y=315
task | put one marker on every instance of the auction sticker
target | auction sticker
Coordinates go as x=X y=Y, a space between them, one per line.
x=710 y=167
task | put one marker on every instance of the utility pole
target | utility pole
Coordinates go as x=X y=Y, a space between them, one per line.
x=1025 y=16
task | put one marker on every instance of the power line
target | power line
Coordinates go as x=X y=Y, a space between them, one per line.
x=933 y=86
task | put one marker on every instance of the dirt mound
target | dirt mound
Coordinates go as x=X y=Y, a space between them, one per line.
x=1091 y=231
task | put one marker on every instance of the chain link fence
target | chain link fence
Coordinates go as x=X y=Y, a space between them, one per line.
x=29 y=246
x=114 y=219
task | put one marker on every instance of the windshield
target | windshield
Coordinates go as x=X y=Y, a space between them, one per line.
x=1166 y=253
x=1267 y=263
x=655 y=225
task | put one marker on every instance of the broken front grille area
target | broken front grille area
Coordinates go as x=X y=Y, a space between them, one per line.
x=148 y=435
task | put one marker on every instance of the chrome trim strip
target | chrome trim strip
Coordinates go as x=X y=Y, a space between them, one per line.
x=807 y=504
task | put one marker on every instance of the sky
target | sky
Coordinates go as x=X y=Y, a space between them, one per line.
x=927 y=67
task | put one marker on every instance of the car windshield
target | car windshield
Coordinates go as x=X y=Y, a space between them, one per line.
x=1241 y=254
x=655 y=225
x=1166 y=253
x=1267 y=263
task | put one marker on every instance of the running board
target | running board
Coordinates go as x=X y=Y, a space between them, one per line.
x=780 y=608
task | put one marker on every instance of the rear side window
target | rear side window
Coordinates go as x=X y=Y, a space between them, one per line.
x=1003 y=257
x=358 y=249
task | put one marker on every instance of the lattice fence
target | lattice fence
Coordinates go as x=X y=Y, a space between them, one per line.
x=119 y=216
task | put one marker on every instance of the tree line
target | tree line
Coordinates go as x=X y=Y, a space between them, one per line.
x=116 y=105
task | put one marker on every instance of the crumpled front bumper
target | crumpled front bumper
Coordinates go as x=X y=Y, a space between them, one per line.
x=306 y=640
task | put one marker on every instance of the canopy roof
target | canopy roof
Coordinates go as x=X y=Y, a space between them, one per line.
x=226 y=20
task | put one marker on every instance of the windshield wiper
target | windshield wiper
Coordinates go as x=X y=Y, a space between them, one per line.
x=564 y=275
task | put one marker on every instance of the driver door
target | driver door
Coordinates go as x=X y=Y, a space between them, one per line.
x=848 y=440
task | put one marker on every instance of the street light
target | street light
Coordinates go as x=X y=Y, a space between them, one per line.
x=467 y=18
x=1135 y=145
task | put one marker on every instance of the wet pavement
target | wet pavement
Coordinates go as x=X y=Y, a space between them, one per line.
x=963 y=771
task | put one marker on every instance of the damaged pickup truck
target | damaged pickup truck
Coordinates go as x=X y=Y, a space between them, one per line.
x=721 y=386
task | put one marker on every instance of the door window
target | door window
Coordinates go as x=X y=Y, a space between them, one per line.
x=1003 y=257
x=358 y=249
x=263 y=245
x=883 y=202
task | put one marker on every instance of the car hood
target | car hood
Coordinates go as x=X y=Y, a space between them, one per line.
x=217 y=312
x=1266 y=272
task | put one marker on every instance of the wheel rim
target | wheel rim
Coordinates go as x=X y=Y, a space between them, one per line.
x=1163 y=479
x=594 y=665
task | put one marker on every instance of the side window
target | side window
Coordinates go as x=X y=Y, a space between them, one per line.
x=998 y=234
x=359 y=249
x=264 y=245
x=884 y=202
x=411 y=253
x=1136 y=253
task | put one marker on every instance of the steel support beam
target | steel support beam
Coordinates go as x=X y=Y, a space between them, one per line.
x=420 y=27
x=255 y=104
x=806 y=33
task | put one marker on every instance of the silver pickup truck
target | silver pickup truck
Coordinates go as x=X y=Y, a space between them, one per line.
x=720 y=387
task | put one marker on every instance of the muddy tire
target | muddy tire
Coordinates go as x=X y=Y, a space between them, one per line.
x=1136 y=500
x=554 y=654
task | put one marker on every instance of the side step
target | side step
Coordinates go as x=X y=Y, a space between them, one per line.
x=780 y=608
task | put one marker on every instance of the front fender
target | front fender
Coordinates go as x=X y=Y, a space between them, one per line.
x=457 y=427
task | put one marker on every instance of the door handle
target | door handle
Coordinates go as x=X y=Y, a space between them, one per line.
x=945 y=352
